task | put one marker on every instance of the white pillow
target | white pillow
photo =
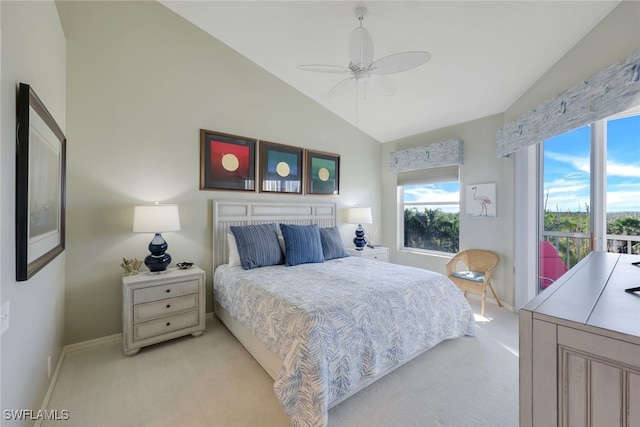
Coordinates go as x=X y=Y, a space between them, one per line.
x=234 y=256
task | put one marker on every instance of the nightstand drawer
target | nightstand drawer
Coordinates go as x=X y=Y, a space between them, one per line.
x=164 y=325
x=154 y=293
x=377 y=254
x=165 y=307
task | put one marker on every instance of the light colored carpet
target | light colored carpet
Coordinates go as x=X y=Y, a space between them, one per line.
x=213 y=381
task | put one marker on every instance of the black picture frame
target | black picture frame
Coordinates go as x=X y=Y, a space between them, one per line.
x=41 y=157
x=281 y=168
x=227 y=162
x=322 y=173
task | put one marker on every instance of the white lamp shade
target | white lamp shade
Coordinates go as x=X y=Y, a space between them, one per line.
x=156 y=218
x=359 y=216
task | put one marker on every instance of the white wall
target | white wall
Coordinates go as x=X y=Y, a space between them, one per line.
x=142 y=82
x=33 y=52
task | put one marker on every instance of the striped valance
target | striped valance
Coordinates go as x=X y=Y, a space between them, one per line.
x=429 y=156
x=608 y=92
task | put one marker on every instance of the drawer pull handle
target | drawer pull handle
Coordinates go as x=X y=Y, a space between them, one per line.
x=168 y=323
x=168 y=305
x=168 y=290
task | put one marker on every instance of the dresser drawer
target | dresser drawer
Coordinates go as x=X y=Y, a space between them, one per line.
x=154 y=293
x=165 y=307
x=165 y=325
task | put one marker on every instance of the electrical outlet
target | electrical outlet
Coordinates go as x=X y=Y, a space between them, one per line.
x=49 y=367
x=4 y=317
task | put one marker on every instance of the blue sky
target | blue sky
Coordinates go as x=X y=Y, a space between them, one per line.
x=567 y=165
x=566 y=172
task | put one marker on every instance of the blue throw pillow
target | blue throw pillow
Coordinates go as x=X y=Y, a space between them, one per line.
x=257 y=245
x=332 y=244
x=302 y=243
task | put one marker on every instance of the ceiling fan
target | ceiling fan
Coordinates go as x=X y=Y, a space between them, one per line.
x=363 y=68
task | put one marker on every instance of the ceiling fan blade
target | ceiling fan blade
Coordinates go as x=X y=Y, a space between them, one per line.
x=328 y=69
x=381 y=85
x=361 y=47
x=400 y=62
x=341 y=87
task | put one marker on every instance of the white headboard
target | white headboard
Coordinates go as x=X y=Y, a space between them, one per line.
x=245 y=212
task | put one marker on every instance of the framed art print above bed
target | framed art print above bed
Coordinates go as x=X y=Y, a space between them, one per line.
x=280 y=168
x=322 y=173
x=40 y=185
x=227 y=162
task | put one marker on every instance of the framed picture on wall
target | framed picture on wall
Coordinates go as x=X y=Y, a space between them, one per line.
x=227 y=162
x=322 y=173
x=280 y=168
x=40 y=185
x=481 y=200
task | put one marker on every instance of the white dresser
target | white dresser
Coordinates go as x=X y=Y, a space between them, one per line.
x=159 y=307
x=378 y=254
x=580 y=347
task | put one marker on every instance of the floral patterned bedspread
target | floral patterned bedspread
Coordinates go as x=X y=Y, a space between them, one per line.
x=337 y=323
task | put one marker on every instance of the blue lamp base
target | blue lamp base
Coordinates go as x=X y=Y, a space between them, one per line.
x=360 y=240
x=158 y=261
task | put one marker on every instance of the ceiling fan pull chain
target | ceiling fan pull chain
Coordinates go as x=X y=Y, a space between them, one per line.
x=357 y=104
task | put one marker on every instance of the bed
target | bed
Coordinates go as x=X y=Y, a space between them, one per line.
x=323 y=329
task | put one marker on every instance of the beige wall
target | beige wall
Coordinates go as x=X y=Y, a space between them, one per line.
x=480 y=166
x=142 y=82
x=33 y=52
x=611 y=40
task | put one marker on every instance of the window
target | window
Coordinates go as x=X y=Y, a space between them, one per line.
x=591 y=191
x=430 y=204
x=623 y=183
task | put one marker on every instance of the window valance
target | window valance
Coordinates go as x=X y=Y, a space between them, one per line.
x=608 y=92
x=429 y=156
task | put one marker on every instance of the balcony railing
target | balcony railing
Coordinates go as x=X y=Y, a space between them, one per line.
x=572 y=247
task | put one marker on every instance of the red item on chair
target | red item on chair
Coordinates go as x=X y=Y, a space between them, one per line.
x=551 y=265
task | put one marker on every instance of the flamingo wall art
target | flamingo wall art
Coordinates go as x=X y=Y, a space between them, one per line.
x=481 y=200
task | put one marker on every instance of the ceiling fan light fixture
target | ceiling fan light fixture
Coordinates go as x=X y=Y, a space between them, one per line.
x=362 y=67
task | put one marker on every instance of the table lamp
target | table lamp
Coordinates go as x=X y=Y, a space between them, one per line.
x=359 y=216
x=156 y=219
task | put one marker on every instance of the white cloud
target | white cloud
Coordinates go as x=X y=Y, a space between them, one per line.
x=583 y=164
x=618 y=169
x=579 y=163
x=624 y=200
x=431 y=194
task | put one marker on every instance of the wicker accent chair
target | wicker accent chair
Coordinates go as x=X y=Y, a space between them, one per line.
x=479 y=265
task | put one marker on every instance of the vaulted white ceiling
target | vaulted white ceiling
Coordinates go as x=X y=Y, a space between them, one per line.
x=485 y=54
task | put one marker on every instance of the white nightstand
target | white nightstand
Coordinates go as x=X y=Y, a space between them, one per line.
x=378 y=254
x=159 y=307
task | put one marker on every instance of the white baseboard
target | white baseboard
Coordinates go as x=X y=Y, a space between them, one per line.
x=98 y=342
